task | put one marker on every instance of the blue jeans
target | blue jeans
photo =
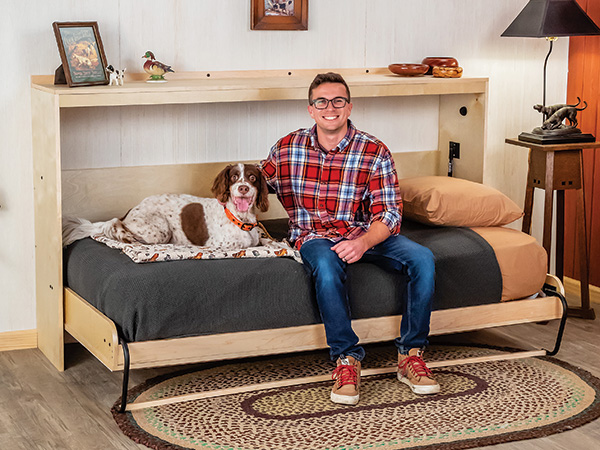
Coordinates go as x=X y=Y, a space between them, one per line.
x=398 y=254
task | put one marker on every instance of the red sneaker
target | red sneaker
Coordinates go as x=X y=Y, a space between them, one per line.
x=347 y=381
x=413 y=372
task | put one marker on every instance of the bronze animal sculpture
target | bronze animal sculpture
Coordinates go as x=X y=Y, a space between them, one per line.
x=559 y=125
x=568 y=112
x=547 y=111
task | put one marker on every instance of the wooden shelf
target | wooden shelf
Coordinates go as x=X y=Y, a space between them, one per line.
x=218 y=87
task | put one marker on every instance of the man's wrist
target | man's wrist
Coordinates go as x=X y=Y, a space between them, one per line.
x=370 y=240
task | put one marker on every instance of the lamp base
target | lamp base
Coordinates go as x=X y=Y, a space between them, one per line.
x=551 y=138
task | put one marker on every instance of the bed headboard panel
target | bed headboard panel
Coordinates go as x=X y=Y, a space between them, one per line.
x=101 y=194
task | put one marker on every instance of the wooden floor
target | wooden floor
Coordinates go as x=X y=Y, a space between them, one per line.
x=41 y=408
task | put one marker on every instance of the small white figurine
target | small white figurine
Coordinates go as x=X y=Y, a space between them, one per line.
x=116 y=76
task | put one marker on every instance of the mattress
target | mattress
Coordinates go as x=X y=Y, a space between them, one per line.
x=198 y=297
x=522 y=261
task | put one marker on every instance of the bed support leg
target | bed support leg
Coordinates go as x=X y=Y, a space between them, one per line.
x=553 y=291
x=126 y=366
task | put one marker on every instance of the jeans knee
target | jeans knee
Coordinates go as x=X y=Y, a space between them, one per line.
x=329 y=271
x=322 y=262
x=423 y=262
x=427 y=259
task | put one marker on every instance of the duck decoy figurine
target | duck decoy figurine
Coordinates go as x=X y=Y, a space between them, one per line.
x=155 y=68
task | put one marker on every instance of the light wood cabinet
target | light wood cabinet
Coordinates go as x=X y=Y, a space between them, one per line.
x=49 y=100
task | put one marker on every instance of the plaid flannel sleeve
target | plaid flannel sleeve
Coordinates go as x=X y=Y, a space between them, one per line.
x=386 y=202
x=268 y=167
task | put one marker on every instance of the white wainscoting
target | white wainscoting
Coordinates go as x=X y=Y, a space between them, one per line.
x=194 y=35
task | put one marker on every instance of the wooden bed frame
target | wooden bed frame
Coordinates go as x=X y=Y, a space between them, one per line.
x=99 y=334
x=82 y=198
x=99 y=194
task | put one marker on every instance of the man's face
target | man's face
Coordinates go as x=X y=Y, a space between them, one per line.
x=330 y=120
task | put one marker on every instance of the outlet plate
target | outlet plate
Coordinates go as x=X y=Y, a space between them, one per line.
x=454 y=150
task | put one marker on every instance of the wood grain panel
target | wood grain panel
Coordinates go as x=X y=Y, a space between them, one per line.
x=47 y=203
x=101 y=194
x=593 y=194
x=584 y=82
x=91 y=328
x=468 y=130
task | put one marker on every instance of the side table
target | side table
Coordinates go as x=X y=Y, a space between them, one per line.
x=559 y=167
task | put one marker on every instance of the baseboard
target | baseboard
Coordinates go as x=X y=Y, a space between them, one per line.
x=573 y=287
x=18 y=340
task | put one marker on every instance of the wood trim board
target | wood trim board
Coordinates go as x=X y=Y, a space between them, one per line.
x=189 y=88
x=18 y=340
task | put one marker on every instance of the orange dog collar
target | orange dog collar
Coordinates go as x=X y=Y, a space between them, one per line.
x=242 y=225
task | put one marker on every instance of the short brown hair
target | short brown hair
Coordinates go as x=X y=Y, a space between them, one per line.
x=329 y=77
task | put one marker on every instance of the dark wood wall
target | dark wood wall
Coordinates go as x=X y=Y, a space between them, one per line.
x=584 y=82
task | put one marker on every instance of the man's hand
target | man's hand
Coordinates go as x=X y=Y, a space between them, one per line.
x=352 y=250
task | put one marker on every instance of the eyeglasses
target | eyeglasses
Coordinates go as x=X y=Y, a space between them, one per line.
x=323 y=103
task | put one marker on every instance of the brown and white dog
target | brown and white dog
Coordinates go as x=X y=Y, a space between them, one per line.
x=225 y=222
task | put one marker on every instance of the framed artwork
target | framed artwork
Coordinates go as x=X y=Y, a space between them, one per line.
x=279 y=14
x=81 y=52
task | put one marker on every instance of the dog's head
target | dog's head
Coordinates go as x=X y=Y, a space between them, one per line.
x=244 y=185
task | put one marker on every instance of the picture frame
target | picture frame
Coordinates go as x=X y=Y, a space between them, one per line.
x=279 y=14
x=81 y=52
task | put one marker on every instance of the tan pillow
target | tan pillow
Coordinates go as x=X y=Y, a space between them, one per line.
x=455 y=202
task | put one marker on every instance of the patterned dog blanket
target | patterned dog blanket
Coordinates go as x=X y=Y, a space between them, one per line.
x=142 y=253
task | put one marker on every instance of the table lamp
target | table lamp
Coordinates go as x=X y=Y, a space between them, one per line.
x=552 y=19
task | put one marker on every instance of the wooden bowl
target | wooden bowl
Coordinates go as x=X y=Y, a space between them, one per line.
x=439 y=61
x=408 y=70
x=447 y=72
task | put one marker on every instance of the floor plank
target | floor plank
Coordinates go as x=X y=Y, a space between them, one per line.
x=41 y=408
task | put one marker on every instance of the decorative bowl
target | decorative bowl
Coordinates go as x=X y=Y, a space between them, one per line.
x=408 y=70
x=439 y=61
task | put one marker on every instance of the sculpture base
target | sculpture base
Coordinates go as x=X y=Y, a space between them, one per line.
x=556 y=138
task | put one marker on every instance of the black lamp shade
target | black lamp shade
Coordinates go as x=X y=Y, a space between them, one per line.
x=552 y=18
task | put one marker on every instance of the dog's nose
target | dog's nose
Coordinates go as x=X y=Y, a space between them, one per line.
x=243 y=189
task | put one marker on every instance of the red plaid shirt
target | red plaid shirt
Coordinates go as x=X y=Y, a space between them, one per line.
x=335 y=194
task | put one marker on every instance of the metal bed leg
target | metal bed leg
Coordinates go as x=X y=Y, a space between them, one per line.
x=126 y=365
x=552 y=290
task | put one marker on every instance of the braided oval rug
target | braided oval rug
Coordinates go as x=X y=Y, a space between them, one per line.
x=479 y=404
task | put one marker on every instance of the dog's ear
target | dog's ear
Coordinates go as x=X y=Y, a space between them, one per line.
x=262 y=198
x=220 y=188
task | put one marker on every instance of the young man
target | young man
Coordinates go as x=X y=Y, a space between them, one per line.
x=340 y=189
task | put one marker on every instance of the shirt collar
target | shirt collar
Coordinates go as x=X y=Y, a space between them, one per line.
x=343 y=143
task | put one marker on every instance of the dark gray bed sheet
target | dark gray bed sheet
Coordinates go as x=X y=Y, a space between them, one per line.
x=199 y=297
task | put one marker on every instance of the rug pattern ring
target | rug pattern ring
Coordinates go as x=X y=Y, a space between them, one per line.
x=479 y=404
